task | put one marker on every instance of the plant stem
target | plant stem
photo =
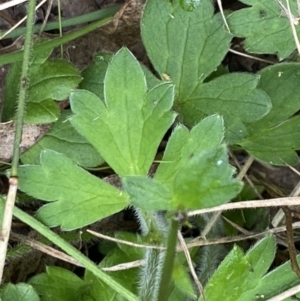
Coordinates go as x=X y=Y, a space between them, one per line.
x=13 y=181
x=166 y=277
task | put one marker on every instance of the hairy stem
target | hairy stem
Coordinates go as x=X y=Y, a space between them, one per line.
x=166 y=277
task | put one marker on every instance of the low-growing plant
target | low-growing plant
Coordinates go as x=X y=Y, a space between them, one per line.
x=120 y=114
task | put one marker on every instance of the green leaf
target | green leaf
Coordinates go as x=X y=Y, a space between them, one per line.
x=147 y=194
x=19 y=292
x=282 y=84
x=194 y=172
x=234 y=268
x=48 y=80
x=78 y=198
x=93 y=75
x=265 y=28
x=46 y=111
x=276 y=145
x=64 y=139
x=244 y=274
x=122 y=127
x=274 y=138
x=151 y=79
x=277 y=281
x=52 y=80
x=186 y=46
x=57 y=284
x=260 y=257
x=235 y=97
x=205 y=181
x=183 y=144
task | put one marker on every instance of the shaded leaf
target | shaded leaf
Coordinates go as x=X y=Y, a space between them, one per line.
x=46 y=111
x=274 y=139
x=48 y=80
x=19 y=292
x=52 y=80
x=58 y=284
x=64 y=139
x=265 y=28
x=93 y=75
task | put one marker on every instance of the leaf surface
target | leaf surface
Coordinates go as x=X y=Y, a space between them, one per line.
x=274 y=138
x=19 y=292
x=265 y=27
x=185 y=46
x=128 y=126
x=64 y=139
x=239 y=274
x=194 y=172
x=235 y=97
x=77 y=198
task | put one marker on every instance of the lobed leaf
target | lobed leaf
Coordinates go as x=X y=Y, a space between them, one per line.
x=58 y=283
x=185 y=46
x=77 y=197
x=239 y=275
x=194 y=172
x=265 y=27
x=19 y=292
x=274 y=138
x=122 y=127
x=235 y=97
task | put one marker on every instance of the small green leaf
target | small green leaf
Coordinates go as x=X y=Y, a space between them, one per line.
x=93 y=75
x=78 y=198
x=57 y=284
x=19 y=292
x=146 y=193
x=245 y=274
x=194 y=173
x=273 y=138
x=52 y=80
x=265 y=28
x=122 y=127
x=276 y=145
x=46 y=111
x=277 y=281
x=48 y=80
x=187 y=47
x=260 y=257
x=205 y=181
x=183 y=144
x=151 y=79
x=235 y=97
x=64 y=139
x=229 y=278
